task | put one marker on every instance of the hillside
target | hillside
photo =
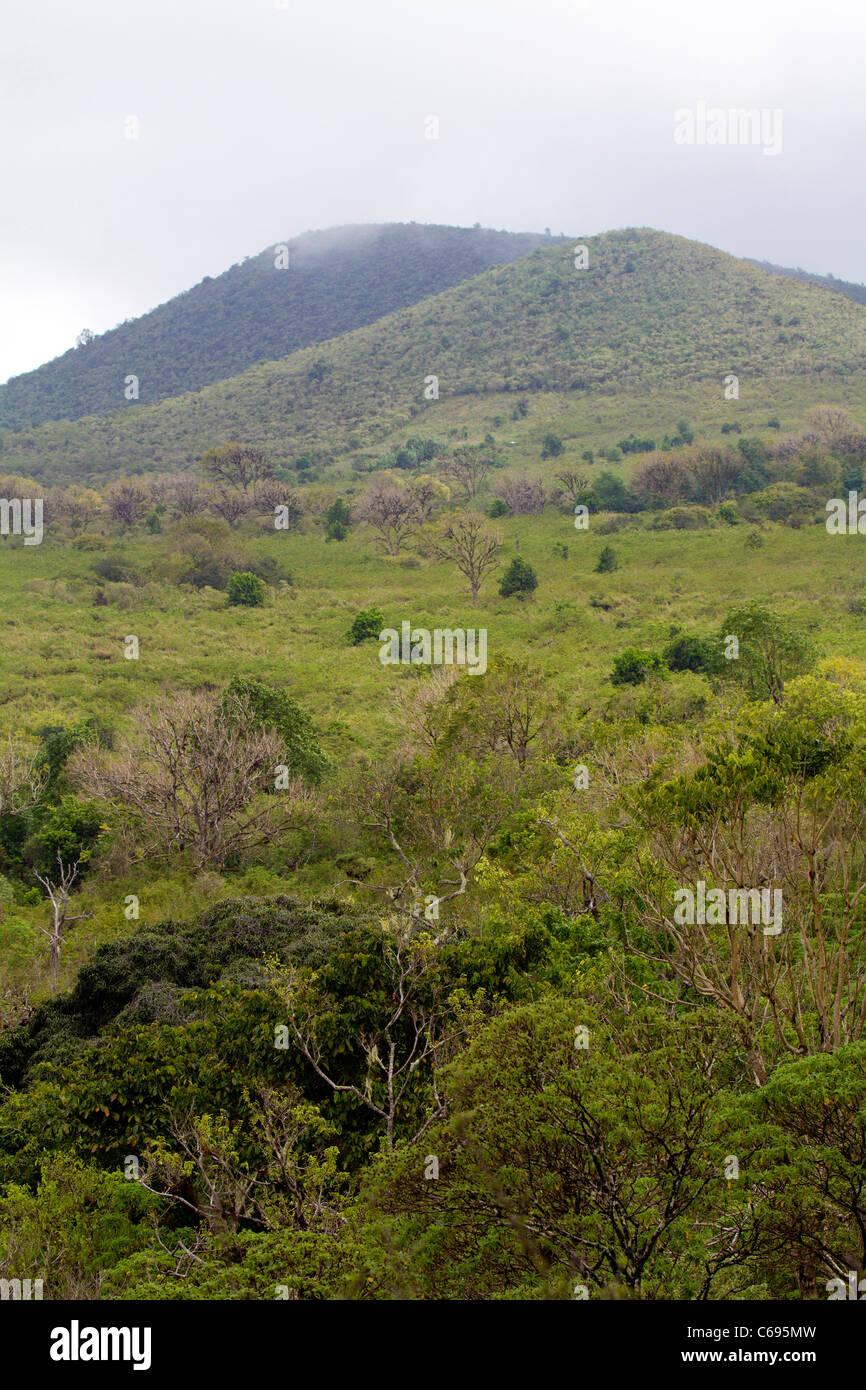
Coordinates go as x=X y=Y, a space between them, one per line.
x=336 y=280
x=827 y=282
x=652 y=314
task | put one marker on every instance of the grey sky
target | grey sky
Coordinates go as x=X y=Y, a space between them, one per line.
x=258 y=122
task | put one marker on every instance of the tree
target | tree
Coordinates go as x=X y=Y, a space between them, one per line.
x=511 y=707
x=401 y=1042
x=574 y=484
x=520 y=578
x=633 y=666
x=552 y=446
x=237 y=465
x=366 y=624
x=229 y=503
x=524 y=496
x=607 y=560
x=197 y=778
x=469 y=466
x=59 y=890
x=246 y=590
x=393 y=512
x=769 y=652
x=125 y=501
x=23 y=777
x=470 y=545
x=661 y=479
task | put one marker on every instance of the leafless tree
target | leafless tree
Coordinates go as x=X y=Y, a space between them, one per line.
x=125 y=501
x=229 y=503
x=414 y=1031
x=59 y=890
x=574 y=484
x=472 y=546
x=469 y=466
x=21 y=780
x=392 y=511
x=237 y=465
x=524 y=496
x=202 y=777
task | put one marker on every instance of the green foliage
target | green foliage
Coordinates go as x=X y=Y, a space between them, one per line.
x=771 y=652
x=520 y=578
x=498 y=507
x=607 y=560
x=366 y=624
x=274 y=709
x=552 y=446
x=246 y=589
x=633 y=666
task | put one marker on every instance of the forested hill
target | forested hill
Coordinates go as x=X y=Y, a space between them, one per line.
x=335 y=280
x=827 y=282
x=649 y=312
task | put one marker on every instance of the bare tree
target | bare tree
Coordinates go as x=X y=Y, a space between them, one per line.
x=202 y=778
x=472 y=546
x=237 y=465
x=392 y=511
x=59 y=890
x=524 y=496
x=22 y=782
x=469 y=466
x=188 y=496
x=662 y=478
x=229 y=503
x=125 y=501
x=414 y=1030
x=574 y=484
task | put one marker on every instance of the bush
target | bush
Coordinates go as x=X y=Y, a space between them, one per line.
x=727 y=512
x=498 y=508
x=633 y=666
x=368 y=623
x=681 y=519
x=552 y=446
x=337 y=531
x=520 y=578
x=607 y=561
x=687 y=653
x=246 y=589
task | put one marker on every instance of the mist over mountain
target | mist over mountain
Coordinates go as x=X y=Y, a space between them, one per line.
x=649 y=312
x=292 y=294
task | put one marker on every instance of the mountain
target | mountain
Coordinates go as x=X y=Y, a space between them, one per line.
x=827 y=282
x=334 y=281
x=650 y=312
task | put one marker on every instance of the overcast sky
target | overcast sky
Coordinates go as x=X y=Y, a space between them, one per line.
x=261 y=119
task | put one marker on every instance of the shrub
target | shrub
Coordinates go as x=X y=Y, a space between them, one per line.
x=681 y=519
x=498 y=507
x=633 y=666
x=337 y=531
x=520 y=578
x=246 y=589
x=366 y=624
x=552 y=446
x=687 y=653
x=607 y=561
x=727 y=512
